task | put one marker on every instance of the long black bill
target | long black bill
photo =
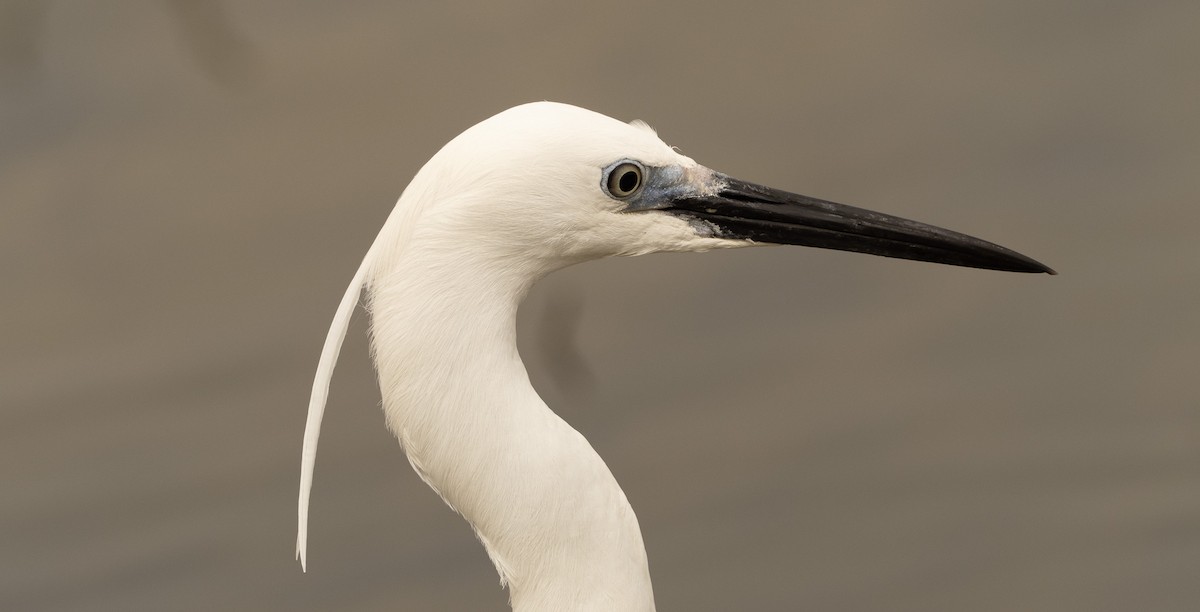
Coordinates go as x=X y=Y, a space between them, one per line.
x=754 y=212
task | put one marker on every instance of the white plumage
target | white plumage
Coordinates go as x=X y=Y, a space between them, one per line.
x=526 y=192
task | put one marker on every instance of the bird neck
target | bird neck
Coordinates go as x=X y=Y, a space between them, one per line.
x=455 y=392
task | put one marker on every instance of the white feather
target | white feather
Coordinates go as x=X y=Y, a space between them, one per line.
x=316 y=403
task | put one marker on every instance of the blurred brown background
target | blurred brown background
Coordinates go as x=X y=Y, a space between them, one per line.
x=186 y=188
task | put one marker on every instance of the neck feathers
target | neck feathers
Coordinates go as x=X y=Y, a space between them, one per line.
x=455 y=392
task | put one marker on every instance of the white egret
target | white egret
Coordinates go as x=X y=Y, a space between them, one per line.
x=531 y=190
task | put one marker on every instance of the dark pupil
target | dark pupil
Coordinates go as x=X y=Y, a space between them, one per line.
x=628 y=182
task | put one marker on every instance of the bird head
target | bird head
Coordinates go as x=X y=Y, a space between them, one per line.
x=559 y=184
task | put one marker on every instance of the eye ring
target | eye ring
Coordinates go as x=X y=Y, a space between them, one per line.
x=624 y=180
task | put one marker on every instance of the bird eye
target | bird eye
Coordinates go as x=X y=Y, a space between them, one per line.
x=624 y=180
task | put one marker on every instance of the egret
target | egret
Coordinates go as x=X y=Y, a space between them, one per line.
x=526 y=192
